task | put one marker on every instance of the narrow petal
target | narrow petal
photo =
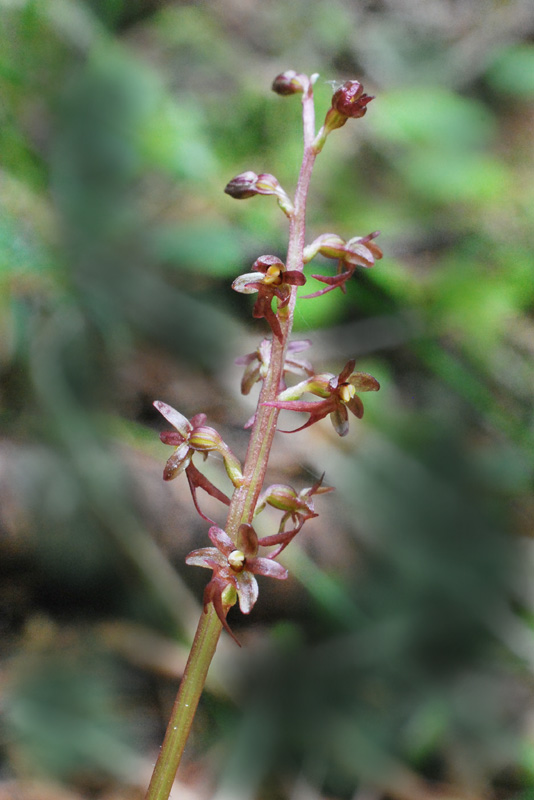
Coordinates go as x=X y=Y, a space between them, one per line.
x=213 y=594
x=247 y=590
x=251 y=375
x=363 y=382
x=268 y=567
x=306 y=406
x=199 y=481
x=333 y=282
x=294 y=277
x=221 y=540
x=242 y=361
x=317 y=411
x=340 y=420
x=176 y=419
x=208 y=557
x=173 y=438
x=347 y=371
x=355 y=406
x=247 y=540
x=247 y=283
x=267 y=312
x=298 y=345
x=179 y=461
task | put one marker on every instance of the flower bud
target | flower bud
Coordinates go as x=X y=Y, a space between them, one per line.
x=232 y=466
x=205 y=439
x=267 y=184
x=242 y=186
x=350 y=101
x=290 y=82
x=248 y=184
x=280 y=496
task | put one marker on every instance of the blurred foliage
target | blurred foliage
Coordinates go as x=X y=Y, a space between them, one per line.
x=400 y=659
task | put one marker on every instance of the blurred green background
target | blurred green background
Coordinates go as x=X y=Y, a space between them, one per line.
x=398 y=660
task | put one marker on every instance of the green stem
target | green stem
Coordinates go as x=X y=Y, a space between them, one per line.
x=185 y=705
x=244 y=499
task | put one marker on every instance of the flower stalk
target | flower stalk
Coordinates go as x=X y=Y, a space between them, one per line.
x=234 y=555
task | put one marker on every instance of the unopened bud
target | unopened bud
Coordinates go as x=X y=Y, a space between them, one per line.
x=350 y=101
x=248 y=184
x=281 y=496
x=205 y=439
x=267 y=184
x=242 y=186
x=290 y=82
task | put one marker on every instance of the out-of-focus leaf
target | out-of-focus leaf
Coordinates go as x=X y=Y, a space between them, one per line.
x=512 y=71
x=455 y=177
x=208 y=248
x=431 y=116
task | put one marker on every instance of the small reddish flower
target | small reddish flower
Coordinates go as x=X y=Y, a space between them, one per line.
x=192 y=436
x=275 y=281
x=257 y=363
x=297 y=507
x=348 y=102
x=248 y=184
x=339 y=393
x=234 y=564
x=360 y=251
x=290 y=82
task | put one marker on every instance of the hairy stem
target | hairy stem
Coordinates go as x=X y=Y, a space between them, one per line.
x=244 y=499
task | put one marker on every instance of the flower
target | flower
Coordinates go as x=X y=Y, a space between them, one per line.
x=360 y=251
x=274 y=282
x=257 y=363
x=298 y=508
x=192 y=436
x=247 y=184
x=339 y=393
x=348 y=102
x=290 y=82
x=234 y=564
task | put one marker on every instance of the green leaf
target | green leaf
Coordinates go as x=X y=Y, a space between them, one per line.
x=512 y=71
x=432 y=116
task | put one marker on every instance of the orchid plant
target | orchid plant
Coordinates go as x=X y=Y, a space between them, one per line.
x=234 y=556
